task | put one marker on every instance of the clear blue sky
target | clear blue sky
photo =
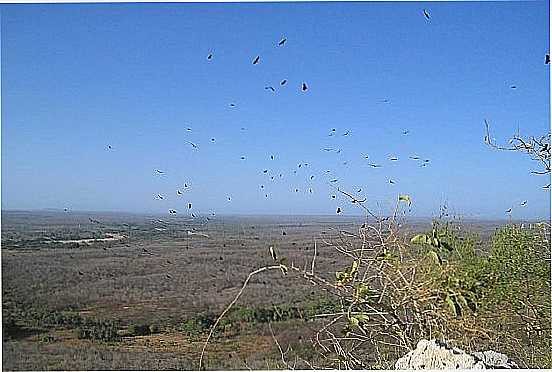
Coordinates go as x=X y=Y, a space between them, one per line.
x=77 y=78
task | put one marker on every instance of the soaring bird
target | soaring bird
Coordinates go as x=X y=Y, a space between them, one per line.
x=242 y=158
x=509 y=210
x=547 y=59
x=232 y=105
x=158 y=171
x=282 y=42
x=375 y=165
x=338 y=211
x=193 y=145
x=334 y=180
x=271 y=157
x=172 y=211
x=109 y=147
x=513 y=87
x=210 y=56
x=304 y=87
x=178 y=192
x=271 y=88
x=391 y=182
x=393 y=158
x=346 y=133
x=426 y=14
x=311 y=177
x=283 y=82
x=265 y=171
x=523 y=203
x=160 y=196
x=405 y=132
x=414 y=157
x=189 y=205
x=256 y=60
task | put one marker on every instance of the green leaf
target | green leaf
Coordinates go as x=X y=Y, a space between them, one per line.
x=406 y=198
x=435 y=257
x=420 y=239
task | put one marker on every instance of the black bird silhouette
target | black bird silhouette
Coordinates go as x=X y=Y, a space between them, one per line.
x=193 y=145
x=346 y=133
x=328 y=149
x=210 y=56
x=265 y=171
x=414 y=158
x=80 y=273
x=271 y=88
x=338 y=211
x=509 y=210
x=391 y=182
x=229 y=199
x=242 y=158
x=282 y=42
x=523 y=203
x=547 y=59
x=513 y=87
x=393 y=158
x=546 y=187
x=375 y=165
x=160 y=196
x=406 y=132
x=283 y=82
x=178 y=192
x=359 y=190
x=172 y=211
x=311 y=177
x=189 y=205
x=232 y=105
x=304 y=87
x=284 y=233
x=334 y=180
x=271 y=157
x=333 y=196
x=158 y=171
x=109 y=147
x=212 y=140
x=426 y=14
x=332 y=132
x=256 y=60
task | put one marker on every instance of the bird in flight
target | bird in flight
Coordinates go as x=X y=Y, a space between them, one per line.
x=392 y=182
x=426 y=14
x=359 y=190
x=405 y=132
x=304 y=87
x=328 y=149
x=265 y=171
x=311 y=177
x=346 y=133
x=256 y=60
x=229 y=199
x=270 y=88
x=178 y=192
x=282 y=42
x=524 y=203
x=271 y=157
x=509 y=210
x=210 y=56
x=338 y=211
x=172 y=211
x=414 y=157
x=193 y=145
x=375 y=165
x=109 y=147
x=158 y=171
x=232 y=105
x=393 y=158
x=334 y=180
x=189 y=205
x=160 y=197
x=242 y=158
x=212 y=140
x=513 y=87
x=283 y=82
x=547 y=59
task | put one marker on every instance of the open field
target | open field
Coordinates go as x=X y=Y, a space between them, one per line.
x=160 y=275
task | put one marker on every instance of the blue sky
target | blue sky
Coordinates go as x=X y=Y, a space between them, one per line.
x=79 y=77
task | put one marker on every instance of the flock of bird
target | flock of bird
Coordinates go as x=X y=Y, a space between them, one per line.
x=303 y=87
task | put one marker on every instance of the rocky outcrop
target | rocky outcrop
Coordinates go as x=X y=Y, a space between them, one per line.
x=436 y=354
